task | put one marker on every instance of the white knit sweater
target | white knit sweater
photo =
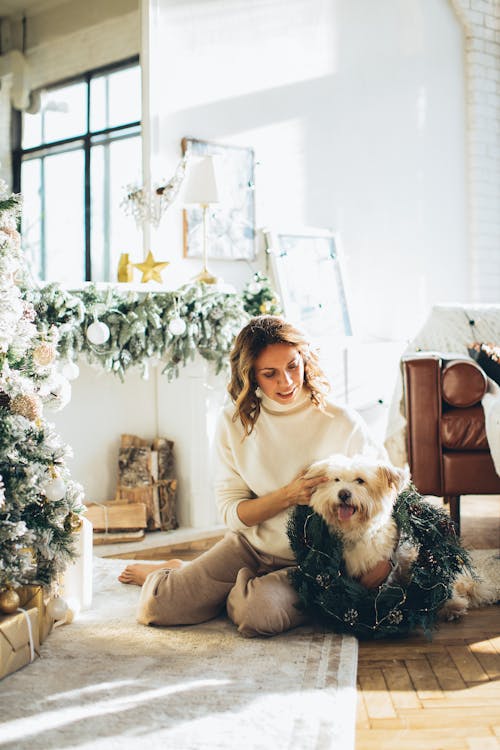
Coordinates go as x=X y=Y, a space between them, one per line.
x=285 y=440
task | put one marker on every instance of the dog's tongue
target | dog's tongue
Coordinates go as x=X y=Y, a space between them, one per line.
x=345 y=512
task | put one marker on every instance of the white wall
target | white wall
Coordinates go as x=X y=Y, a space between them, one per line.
x=356 y=113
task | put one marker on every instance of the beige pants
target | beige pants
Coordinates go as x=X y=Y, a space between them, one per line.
x=253 y=586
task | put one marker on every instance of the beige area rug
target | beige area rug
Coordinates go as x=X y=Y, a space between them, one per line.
x=106 y=682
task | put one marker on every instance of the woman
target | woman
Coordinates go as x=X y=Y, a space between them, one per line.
x=278 y=422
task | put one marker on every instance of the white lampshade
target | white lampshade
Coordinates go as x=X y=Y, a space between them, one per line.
x=200 y=185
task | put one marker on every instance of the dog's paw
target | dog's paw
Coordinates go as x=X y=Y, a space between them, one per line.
x=477 y=592
x=454 y=608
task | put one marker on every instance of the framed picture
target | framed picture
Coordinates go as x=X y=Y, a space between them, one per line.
x=307 y=271
x=231 y=223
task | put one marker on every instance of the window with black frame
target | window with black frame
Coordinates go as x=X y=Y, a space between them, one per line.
x=76 y=155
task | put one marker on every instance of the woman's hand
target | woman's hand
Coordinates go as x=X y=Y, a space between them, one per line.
x=377 y=575
x=300 y=490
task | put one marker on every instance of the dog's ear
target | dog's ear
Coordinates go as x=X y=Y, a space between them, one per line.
x=316 y=469
x=394 y=476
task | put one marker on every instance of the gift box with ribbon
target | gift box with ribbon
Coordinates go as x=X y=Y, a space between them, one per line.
x=19 y=640
x=35 y=596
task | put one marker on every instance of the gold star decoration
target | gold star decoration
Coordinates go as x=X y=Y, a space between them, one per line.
x=151 y=268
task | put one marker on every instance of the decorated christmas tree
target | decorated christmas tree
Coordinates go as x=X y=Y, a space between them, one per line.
x=40 y=506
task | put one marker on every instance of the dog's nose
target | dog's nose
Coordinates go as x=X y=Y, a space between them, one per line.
x=344 y=495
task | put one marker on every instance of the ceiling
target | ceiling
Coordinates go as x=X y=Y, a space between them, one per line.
x=19 y=8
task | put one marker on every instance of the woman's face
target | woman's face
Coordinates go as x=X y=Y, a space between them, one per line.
x=279 y=371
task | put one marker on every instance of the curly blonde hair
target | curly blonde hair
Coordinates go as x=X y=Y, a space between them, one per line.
x=257 y=334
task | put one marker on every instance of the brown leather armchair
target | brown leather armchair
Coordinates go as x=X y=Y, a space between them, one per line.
x=448 y=453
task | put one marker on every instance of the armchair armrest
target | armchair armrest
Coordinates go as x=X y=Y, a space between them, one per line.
x=422 y=387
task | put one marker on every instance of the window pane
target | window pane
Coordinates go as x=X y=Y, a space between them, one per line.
x=32 y=129
x=115 y=98
x=31 y=218
x=64 y=218
x=64 y=112
x=113 y=166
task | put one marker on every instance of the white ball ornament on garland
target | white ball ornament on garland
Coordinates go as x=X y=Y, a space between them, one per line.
x=70 y=370
x=177 y=326
x=98 y=333
x=54 y=489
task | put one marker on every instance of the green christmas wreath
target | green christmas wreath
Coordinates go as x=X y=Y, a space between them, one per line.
x=342 y=603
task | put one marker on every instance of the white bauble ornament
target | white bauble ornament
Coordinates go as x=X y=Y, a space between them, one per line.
x=254 y=287
x=56 y=393
x=98 y=333
x=177 y=327
x=70 y=370
x=57 y=608
x=54 y=489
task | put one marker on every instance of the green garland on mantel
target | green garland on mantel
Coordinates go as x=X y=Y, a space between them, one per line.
x=393 y=609
x=168 y=326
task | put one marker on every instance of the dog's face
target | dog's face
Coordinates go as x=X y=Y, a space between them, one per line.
x=357 y=492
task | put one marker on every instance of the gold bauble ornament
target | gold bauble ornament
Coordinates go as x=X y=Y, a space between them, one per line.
x=151 y=268
x=73 y=522
x=27 y=405
x=44 y=354
x=9 y=601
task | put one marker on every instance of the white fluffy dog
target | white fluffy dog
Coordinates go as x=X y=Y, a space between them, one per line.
x=357 y=503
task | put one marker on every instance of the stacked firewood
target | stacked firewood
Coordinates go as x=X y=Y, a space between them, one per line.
x=146 y=493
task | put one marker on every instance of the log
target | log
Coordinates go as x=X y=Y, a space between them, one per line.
x=165 y=450
x=166 y=500
x=148 y=496
x=115 y=537
x=114 y=516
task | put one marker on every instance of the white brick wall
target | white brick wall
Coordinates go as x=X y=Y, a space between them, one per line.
x=481 y=23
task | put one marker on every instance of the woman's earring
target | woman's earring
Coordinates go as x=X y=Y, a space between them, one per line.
x=258 y=392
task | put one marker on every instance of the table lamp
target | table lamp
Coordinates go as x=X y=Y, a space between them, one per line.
x=201 y=189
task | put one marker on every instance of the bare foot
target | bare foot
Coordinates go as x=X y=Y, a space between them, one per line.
x=138 y=572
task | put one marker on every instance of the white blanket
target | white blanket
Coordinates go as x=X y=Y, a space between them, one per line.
x=450 y=330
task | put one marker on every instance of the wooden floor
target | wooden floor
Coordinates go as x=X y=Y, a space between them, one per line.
x=416 y=694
